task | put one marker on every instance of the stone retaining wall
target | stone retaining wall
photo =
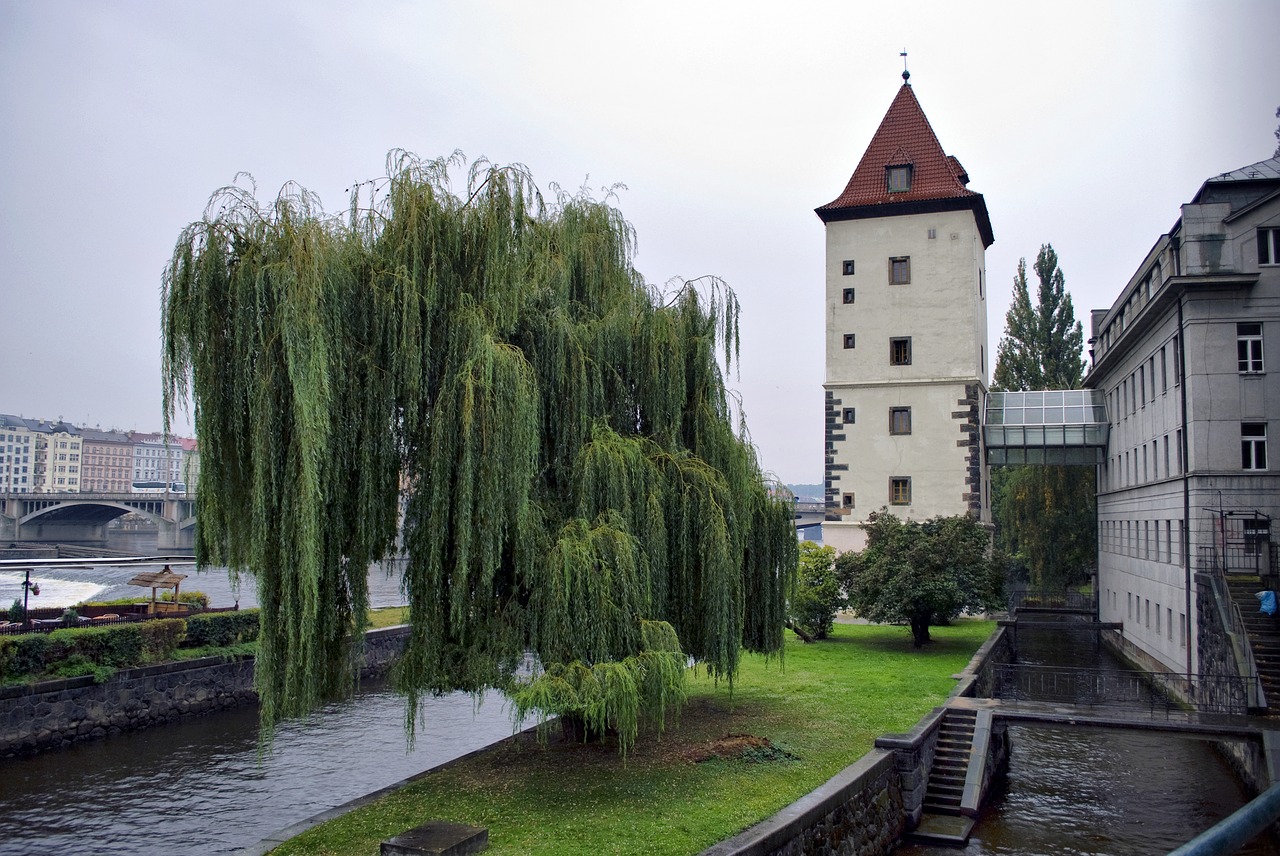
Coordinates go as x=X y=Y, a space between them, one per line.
x=55 y=714
x=859 y=812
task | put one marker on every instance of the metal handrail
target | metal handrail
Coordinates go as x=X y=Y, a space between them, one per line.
x=1050 y=599
x=1233 y=623
x=1153 y=692
x=1233 y=832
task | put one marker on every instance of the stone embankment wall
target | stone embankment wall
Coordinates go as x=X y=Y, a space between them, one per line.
x=54 y=714
x=867 y=807
x=859 y=812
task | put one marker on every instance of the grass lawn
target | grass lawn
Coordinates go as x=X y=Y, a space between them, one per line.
x=388 y=616
x=694 y=785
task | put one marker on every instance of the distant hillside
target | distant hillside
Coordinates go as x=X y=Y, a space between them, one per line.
x=809 y=492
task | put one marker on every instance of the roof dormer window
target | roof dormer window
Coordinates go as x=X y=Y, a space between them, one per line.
x=898 y=178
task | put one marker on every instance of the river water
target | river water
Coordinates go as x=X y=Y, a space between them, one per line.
x=69 y=583
x=199 y=786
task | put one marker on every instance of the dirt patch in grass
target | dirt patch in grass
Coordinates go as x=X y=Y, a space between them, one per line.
x=746 y=747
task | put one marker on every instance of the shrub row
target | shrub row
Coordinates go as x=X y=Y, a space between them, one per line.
x=219 y=629
x=120 y=646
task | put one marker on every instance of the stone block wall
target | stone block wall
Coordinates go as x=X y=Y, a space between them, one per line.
x=857 y=813
x=54 y=714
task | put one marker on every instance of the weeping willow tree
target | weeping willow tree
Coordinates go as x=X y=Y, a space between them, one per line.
x=487 y=376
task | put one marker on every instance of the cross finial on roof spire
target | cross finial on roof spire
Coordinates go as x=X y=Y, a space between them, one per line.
x=906 y=75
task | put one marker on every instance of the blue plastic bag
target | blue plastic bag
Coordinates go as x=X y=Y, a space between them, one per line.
x=1267 y=601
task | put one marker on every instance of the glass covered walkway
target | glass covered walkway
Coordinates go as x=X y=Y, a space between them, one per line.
x=1050 y=427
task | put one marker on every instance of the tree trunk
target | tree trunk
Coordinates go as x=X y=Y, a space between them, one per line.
x=796 y=629
x=919 y=630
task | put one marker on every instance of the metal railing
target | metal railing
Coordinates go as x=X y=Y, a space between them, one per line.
x=1232 y=622
x=1054 y=599
x=1151 y=693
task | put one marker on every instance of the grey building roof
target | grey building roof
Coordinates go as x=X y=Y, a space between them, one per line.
x=1268 y=169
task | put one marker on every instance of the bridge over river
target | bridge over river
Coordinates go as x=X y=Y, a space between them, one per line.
x=83 y=517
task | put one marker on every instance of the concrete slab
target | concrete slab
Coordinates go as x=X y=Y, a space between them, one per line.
x=437 y=838
x=947 y=829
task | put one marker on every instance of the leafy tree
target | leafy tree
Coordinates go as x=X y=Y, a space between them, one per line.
x=558 y=431
x=818 y=593
x=921 y=573
x=1044 y=514
x=1042 y=344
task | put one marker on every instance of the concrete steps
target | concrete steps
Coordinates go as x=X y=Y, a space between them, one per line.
x=1263 y=631
x=943 y=822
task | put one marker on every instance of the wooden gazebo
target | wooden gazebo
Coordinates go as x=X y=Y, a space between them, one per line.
x=165 y=578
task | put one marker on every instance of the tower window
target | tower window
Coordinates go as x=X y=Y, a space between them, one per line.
x=848 y=267
x=849 y=340
x=900 y=490
x=900 y=270
x=849 y=415
x=847 y=500
x=900 y=351
x=899 y=420
x=848 y=295
x=898 y=178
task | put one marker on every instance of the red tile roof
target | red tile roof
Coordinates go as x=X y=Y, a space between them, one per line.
x=904 y=137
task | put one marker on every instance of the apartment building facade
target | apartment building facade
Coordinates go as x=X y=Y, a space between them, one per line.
x=1190 y=482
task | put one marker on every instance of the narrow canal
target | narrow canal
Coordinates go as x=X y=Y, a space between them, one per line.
x=1087 y=791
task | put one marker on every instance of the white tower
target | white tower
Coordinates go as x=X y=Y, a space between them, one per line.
x=906 y=373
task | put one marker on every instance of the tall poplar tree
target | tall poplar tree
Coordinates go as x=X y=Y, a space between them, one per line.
x=485 y=377
x=1044 y=514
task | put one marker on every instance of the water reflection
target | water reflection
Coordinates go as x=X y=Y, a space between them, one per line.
x=200 y=786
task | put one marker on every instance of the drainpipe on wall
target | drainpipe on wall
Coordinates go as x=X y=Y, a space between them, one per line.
x=1186 y=460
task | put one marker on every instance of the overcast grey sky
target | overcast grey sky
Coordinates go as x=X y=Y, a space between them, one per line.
x=1083 y=124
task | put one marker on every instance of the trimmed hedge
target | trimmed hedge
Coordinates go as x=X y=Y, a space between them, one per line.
x=121 y=646
x=220 y=629
x=161 y=638
x=34 y=654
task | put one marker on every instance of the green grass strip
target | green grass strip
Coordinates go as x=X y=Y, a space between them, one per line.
x=708 y=777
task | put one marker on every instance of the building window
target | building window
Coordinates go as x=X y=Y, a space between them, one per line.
x=899 y=420
x=900 y=270
x=847 y=500
x=849 y=416
x=848 y=295
x=898 y=178
x=900 y=351
x=1253 y=445
x=848 y=341
x=848 y=268
x=1249 y=348
x=1269 y=246
x=900 y=490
